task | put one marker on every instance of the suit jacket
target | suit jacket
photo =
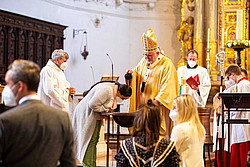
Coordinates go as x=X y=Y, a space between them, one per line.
x=34 y=134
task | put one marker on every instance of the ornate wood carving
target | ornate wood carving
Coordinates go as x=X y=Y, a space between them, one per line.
x=23 y=37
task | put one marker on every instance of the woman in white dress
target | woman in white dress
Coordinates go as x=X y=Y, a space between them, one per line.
x=86 y=121
x=188 y=132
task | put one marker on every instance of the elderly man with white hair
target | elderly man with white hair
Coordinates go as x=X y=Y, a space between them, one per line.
x=54 y=89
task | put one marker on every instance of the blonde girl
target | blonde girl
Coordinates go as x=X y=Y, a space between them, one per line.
x=188 y=132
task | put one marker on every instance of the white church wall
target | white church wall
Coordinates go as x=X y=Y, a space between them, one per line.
x=110 y=36
x=118 y=33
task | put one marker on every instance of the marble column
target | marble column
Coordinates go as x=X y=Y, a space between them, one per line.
x=198 y=30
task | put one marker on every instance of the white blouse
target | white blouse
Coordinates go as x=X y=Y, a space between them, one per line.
x=188 y=145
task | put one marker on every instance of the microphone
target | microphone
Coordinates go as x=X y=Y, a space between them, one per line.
x=112 y=68
x=128 y=78
x=92 y=74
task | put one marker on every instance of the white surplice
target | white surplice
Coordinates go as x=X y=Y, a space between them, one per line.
x=240 y=132
x=219 y=128
x=204 y=87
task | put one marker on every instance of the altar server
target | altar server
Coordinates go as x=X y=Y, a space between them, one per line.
x=199 y=93
x=240 y=135
x=217 y=126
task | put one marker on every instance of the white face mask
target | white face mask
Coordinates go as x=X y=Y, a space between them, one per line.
x=229 y=83
x=118 y=99
x=191 y=63
x=9 y=98
x=173 y=115
x=64 y=65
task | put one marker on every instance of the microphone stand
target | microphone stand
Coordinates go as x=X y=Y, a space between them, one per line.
x=112 y=68
x=217 y=59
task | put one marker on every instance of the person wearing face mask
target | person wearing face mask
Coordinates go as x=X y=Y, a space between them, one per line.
x=240 y=133
x=154 y=77
x=188 y=132
x=54 y=89
x=32 y=133
x=217 y=105
x=244 y=72
x=86 y=121
x=199 y=93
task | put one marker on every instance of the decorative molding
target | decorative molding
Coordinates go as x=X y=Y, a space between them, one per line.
x=125 y=10
x=32 y=24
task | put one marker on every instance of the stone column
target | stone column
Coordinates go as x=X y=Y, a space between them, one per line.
x=198 y=30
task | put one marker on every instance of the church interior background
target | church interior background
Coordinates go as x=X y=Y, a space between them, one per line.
x=115 y=27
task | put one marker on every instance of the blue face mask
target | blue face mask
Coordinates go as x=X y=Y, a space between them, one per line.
x=9 y=98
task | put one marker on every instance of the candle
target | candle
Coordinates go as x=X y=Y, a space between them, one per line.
x=239 y=24
x=222 y=38
x=208 y=37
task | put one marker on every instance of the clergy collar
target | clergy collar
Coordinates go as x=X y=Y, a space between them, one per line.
x=150 y=66
x=192 y=67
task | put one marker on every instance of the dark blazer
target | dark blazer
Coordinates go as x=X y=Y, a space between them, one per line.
x=36 y=135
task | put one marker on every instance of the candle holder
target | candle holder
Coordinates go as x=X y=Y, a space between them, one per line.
x=238 y=49
x=208 y=59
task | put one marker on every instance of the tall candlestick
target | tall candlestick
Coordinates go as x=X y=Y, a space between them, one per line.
x=222 y=38
x=239 y=24
x=208 y=37
x=208 y=50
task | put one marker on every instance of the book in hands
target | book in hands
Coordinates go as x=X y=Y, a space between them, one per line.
x=193 y=81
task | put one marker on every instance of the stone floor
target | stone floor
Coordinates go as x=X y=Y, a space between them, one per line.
x=101 y=161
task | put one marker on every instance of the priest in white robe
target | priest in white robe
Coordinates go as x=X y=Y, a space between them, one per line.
x=199 y=93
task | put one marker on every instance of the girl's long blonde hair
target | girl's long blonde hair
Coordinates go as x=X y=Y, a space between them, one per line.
x=187 y=111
